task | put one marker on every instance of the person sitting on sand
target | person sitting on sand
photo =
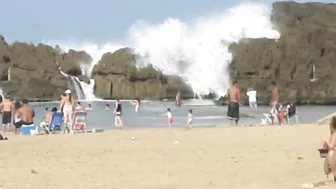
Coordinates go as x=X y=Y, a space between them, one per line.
x=190 y=118
x=107 y=107
x=47 y=118
x=88 y=108
x=170 y=117
x=331 y=146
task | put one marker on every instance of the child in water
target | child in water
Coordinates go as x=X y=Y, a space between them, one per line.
x=170 y=117
x=190 y=118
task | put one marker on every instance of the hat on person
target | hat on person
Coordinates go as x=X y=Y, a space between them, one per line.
x=68 y=91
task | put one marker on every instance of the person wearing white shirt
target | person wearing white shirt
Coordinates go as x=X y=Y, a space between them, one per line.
x=252 y=96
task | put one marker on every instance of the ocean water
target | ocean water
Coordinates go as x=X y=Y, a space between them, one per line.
x=153 y=114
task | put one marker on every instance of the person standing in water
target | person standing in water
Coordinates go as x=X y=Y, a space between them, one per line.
x=178 y=99
x=118 y=111
x=7 y=108
x=190 y=118
x=233 y=95
x=170 y=117
x=136 y=104
x=67 y=107
x=252 y=97
x=275 y=94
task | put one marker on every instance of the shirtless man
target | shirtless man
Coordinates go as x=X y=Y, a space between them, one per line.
x=67 y=106
x=26 y=114
x=233 y=96
x=275 y=94
x=7 y=109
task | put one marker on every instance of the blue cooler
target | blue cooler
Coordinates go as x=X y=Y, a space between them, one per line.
x=25 y=129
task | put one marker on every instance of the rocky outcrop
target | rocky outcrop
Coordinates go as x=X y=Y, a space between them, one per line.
x=116 y=76
x=308 y=39
x=35 y=74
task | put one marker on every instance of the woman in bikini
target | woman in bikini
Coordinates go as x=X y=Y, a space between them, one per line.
x=67 y=107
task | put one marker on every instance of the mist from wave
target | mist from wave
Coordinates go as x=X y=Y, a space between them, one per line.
x=198 y=51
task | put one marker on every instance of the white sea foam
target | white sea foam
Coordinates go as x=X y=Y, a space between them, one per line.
x=197 y=51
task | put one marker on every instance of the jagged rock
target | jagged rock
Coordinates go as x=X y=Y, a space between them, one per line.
x=308 y=35
x=72 y=61
x=116 y=76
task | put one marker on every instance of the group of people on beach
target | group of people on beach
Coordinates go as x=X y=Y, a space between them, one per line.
x=18 y=113
x=234 y=101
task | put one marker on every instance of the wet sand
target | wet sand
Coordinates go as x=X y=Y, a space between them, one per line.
x=271 y=157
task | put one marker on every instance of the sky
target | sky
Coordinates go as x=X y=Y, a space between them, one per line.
x=96 y=21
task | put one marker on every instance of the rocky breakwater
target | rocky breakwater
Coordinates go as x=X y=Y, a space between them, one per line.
x=302 y=61
x=35 y=70
x=116 y=76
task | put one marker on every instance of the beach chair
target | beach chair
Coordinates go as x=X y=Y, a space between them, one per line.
x=56 y=122
x=80 y=121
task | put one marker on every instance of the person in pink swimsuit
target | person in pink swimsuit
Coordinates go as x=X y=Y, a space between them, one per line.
x=170 y=117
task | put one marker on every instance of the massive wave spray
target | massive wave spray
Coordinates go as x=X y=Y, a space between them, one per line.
x=197 y=51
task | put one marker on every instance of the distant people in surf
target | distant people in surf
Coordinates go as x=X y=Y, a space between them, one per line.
x=136 y=104
x=252 y=98
x=118 y=112
x=89 y=107
x=78 y=106
x=170 y=117
x=178 y=100
x=233 y=96
x=107 y=107
x=190 y=118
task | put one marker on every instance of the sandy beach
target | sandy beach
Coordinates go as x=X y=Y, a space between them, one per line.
x=231 y=157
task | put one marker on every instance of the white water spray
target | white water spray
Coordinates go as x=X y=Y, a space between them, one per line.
x=198 y=51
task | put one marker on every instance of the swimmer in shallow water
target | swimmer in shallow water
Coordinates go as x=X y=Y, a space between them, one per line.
x=190 y=118
x=88 y=108
x=107 y=107
x=136 y=104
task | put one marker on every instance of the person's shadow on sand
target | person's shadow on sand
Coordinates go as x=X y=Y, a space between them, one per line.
x=3 y=138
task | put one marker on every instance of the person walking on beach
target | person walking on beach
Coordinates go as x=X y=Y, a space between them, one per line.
x=331 y=146
x=275 y=94
x=252 y=97
x=118 y=112
x=67 y=106
x=233 y=96
x=7 y=108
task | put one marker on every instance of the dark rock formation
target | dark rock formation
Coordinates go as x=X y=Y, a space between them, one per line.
x=35 y=74
x=116 y=76
x=308 y=38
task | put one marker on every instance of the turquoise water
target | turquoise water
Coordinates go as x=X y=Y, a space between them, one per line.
x=153 y=114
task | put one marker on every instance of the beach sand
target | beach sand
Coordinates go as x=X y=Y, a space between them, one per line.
x=223 y=157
